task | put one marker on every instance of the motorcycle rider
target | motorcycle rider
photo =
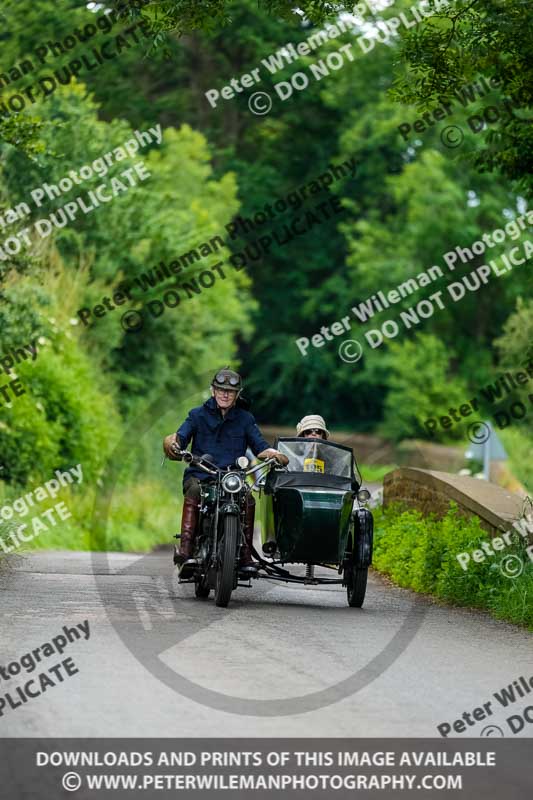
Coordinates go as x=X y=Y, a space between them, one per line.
x=224 y=429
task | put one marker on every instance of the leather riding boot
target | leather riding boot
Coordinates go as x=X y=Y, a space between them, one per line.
x=246 y=563
x=189 y=520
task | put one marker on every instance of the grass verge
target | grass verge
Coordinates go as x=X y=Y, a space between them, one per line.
x=420 y=553
x=374 y=473
x=141 y=516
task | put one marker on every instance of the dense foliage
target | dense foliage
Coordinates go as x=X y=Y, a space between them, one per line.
x=407 y=203
x=490 y=38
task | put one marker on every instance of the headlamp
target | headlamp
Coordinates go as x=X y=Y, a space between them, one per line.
x=232 y=483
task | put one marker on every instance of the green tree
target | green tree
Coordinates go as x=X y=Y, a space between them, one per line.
x=68 y=411
x=516 y=342
x=463 y=42
x=421 y=386
x=515 y=347
x=187 y=15
x=177 y=208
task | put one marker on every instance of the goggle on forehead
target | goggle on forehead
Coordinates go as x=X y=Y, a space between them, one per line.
x=233 y=380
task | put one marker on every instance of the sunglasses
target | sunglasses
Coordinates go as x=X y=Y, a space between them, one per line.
x=318 y=431
x=231 y=379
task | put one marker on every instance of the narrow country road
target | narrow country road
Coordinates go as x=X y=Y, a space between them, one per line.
x=159 y=662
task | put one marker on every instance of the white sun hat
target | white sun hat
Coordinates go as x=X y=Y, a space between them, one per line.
x=309 y=422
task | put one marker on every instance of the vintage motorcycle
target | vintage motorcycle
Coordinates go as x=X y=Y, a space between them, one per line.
x=219 y=536
x=312 y=513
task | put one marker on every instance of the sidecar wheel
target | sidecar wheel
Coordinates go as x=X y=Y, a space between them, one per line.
x=226 y=571
x=356 y=588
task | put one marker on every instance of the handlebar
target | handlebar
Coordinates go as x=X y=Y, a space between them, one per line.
x=189 y=458
x=212 y=469
x=266 y=463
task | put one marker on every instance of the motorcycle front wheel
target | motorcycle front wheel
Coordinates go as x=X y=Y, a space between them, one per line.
x=227 y=556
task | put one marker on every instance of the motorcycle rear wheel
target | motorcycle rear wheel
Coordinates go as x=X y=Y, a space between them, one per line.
x=225 y=579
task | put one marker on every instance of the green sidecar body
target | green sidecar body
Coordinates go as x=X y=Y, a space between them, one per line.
x=309 y=514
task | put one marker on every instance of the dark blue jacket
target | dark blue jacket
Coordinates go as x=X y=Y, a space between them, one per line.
x=224 y=438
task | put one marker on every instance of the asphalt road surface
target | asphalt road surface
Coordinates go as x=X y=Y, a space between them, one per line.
x=159 y=662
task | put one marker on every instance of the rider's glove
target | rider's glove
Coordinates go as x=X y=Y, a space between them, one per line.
x=271 y=453
x=171 y=447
